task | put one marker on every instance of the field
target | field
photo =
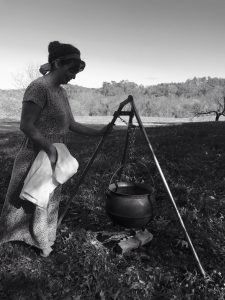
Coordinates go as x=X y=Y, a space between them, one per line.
x=82 y=266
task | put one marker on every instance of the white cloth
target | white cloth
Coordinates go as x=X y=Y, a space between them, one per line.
x=41 y=180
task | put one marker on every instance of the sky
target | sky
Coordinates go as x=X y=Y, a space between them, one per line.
x=143 y=41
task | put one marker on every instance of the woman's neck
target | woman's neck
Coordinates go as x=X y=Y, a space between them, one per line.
x=52 y=80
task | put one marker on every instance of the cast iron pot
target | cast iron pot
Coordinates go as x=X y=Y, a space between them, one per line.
x=130 y=204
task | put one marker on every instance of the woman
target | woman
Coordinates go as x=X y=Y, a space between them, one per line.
x=46 y=119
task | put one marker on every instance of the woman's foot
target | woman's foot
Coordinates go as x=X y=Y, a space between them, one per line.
x=46 y=252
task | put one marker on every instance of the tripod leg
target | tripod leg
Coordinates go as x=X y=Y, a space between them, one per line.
x=168 y=190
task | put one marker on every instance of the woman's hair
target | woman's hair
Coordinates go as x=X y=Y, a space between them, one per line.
x=59 y=50
x=66 y=54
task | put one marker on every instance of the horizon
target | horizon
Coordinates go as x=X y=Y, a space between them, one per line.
x=145 y=86
x=150 y=42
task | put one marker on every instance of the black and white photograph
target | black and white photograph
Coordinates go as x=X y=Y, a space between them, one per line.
x=112 y=150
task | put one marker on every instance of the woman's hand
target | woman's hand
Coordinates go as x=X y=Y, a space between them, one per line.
x=52 y=155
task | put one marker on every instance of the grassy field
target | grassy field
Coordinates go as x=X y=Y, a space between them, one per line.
x=192 y=158
x=147 y=121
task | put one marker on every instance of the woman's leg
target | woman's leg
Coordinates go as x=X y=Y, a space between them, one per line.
x=53 y=209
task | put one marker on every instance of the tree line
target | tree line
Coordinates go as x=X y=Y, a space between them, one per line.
x=177 y=100
x=163 y=100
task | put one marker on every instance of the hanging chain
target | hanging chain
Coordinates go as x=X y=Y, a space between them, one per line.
x=131 y=137
x=131 y=142
x=128 y=171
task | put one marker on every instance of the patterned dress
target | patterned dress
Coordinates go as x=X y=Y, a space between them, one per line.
x=21 y=220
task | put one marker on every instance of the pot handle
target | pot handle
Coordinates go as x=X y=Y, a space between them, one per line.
x=114 y=174
x=133 y=163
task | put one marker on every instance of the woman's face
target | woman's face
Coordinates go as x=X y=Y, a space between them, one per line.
x=68 y=71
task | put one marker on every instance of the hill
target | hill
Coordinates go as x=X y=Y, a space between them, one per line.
x=163 y=100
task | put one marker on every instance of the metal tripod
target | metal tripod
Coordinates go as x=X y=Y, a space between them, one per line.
x=133 y=112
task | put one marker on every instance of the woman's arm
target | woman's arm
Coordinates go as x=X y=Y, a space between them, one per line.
x=85 y=130
x=30 y=114
x=80 y=128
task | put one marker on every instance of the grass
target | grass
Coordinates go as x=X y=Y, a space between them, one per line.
x=82 y=267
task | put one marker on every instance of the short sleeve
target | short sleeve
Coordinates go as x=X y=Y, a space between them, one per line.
x=36 y=93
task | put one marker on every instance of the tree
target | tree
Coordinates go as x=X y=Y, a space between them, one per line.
x=220 y=111
x=22 y=79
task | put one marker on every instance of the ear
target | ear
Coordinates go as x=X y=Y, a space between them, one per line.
x=57 y=64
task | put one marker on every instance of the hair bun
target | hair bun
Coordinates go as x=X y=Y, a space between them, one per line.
x=53 y=45
x=58 y=50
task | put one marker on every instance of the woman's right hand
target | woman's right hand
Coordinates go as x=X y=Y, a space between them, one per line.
x=52 y=155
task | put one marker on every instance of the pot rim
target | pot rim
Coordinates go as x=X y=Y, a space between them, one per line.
x=124 y=183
